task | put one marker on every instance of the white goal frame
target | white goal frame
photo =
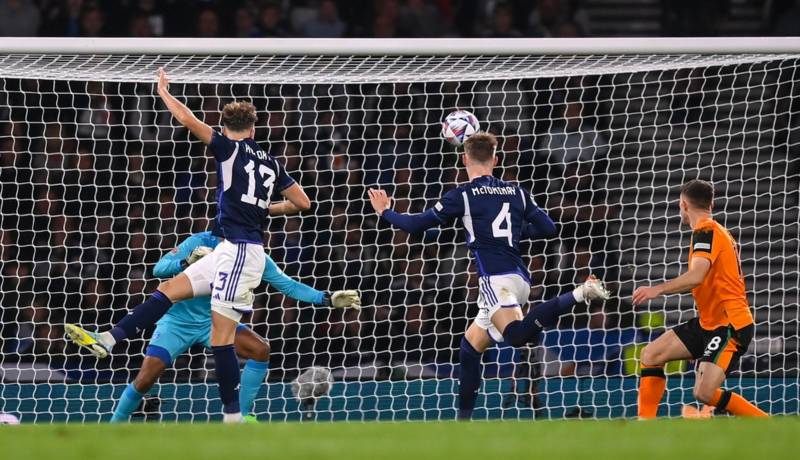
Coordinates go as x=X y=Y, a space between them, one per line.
x=275 y=62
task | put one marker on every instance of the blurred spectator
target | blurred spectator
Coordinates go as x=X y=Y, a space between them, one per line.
x=62 y=18
x=384 y=27
x=207 y=25
x=92 y=22
x=326 y=23
x=503 y=22
x=373 y=18
x=568 y=29
x=18 y=18
x=420 y=18
x=246 y=23
x=151 y=12
x=546 y=16
x=689 y=18
x=786 y=17
x=572 y=138
x=271 y=21
x=140 y=26
x=549 y=16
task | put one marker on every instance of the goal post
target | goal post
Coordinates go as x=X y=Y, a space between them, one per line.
x=98 y=182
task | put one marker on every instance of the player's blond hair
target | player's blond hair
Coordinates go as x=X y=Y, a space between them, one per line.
x=481 y=146
x=239 y=116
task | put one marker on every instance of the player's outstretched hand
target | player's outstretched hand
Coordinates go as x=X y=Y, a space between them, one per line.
x=198 y=253
x=163 y=81
x=643 y=294
x=346 y=299
x=380 y=200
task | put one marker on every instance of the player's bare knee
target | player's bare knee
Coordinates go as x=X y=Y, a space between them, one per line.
x=703 y=394
x=262 y=352
x=165 y=287
x=650 y=356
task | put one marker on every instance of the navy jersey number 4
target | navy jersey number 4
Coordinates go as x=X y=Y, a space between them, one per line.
x=247 y=177
x=493 y=213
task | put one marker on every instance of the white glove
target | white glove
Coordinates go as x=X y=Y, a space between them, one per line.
x=346 y=299
x=198 y=253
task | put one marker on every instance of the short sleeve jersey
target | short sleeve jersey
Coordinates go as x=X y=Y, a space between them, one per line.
x=492 y=214
x=247 y=178
x=721 y=299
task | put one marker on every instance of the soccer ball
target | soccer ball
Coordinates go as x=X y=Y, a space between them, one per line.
x=458 y=126
x=313 y=383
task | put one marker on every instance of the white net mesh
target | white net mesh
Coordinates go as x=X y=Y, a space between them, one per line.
x=97 y=183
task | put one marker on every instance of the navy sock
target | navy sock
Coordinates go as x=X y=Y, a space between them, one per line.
x=226 y=367
x=143 y=316
x=469 y=379
x=545 y=315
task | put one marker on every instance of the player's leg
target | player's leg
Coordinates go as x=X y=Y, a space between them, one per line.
x=722 y=350
x=195 y=281
x=519 y=330
x=151 y=370
x=239 y=267
x=169 y=341
x=226 y=365
x=653 y=382
x=475 y=341
x=150 y=311
x=255 y=349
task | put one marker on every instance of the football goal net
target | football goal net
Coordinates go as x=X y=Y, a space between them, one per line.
x=98 y=182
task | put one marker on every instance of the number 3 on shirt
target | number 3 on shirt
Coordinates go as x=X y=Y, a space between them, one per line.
x=503 y=217
x=269 y=182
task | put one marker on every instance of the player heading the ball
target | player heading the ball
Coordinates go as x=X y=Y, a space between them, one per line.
x=724 y=328
x=495 y=215
x=247 y=177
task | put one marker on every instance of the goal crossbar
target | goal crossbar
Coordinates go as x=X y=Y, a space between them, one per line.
x=268 y=61
x=395 y=47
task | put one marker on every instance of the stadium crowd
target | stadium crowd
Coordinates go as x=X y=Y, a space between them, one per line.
x=96 y=186
x=94 y=192
x=342 y=18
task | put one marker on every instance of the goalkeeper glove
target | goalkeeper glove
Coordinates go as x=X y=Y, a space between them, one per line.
x=197 y=254
x=342 y=299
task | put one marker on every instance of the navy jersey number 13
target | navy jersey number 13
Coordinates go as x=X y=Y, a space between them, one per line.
x=247 y=177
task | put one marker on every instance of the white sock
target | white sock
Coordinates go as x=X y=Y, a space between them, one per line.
x=578 y=294
x=232 y=418
x=106 y=339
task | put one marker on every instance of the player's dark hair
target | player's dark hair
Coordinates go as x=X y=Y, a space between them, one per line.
x=481 y=146
x=239 y=116
x=700 y=193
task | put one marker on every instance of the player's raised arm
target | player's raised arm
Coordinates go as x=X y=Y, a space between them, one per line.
x=296 y=201
x=188 y=252
x=411 y=223
x=182 y=113
x=304 y=293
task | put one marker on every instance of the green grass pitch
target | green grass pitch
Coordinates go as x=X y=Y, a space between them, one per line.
x=723 y=438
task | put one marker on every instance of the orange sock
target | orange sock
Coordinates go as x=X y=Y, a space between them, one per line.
x=651 y=389
x=735 y=404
